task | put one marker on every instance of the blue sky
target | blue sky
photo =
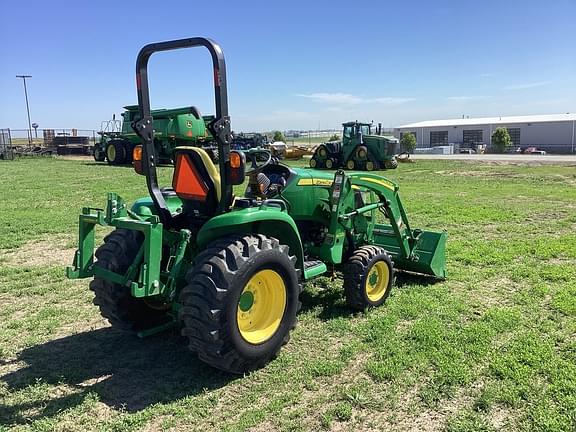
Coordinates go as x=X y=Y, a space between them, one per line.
x=292 y=64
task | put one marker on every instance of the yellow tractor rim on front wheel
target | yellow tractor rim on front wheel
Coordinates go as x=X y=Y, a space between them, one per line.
x=377 y=281
x=261 y=306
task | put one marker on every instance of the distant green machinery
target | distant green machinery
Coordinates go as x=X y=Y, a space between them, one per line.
x=359 y=149
x=172 y=128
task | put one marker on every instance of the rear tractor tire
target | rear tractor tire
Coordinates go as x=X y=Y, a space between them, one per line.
x=368 y=277
x=240 y=302
x=115 y=301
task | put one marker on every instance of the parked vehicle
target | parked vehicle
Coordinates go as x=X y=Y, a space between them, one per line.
x=359 y=149
x=534 y=150
x=228 y=270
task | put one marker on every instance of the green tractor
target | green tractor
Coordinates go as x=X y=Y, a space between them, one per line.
x=172 y=128
x=229 y=270
x=358 y=150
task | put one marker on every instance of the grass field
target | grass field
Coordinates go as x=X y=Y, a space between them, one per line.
x=491 y=348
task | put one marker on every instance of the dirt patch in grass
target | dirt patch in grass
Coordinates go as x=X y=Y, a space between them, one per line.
x=500 y=417
x=53 y=251
x=480 y=173
x=412 y=415
x=266 y=426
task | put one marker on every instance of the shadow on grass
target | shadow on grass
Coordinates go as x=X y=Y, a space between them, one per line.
x=124 y=371
x=330 y=302
x=94 y=163
x=329 y=299
x=406 y=279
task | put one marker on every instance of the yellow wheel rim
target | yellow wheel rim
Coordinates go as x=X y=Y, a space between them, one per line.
x=361 y=153
x=312 y=163
x=111 y=153
x=261 y=306
x=322 y=152
x=329 y=163
x=350 y=164
x=377 y=281
x=369 y=166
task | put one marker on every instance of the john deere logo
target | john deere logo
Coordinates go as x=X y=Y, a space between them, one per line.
x=188 y=123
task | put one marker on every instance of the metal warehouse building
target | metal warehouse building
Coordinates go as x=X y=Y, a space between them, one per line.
x=553 y=133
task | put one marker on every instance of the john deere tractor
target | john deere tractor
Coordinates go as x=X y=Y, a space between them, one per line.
x=359 y=149
x=172 y=128
x=228 y=270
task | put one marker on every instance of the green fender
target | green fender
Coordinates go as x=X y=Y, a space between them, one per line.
x=267 y=220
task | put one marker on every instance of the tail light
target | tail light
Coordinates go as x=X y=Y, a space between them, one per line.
x=137 y=160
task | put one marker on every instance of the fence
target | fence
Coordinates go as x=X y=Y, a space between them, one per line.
x=6 y=151
x=44 y=142
x=50 y=137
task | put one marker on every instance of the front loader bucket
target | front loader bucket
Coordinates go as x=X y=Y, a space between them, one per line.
x=429 y=253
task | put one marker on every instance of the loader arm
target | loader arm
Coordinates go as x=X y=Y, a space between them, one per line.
x=390 y=202
x=412 y=250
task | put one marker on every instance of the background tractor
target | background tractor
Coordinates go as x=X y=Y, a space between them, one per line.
x=247 y=141
x=229 y=270
x=359 y=149
x=172 y=128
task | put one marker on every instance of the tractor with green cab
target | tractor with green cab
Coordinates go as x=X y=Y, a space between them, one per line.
x=228 y=270
x=359 y=149
x=172 y=128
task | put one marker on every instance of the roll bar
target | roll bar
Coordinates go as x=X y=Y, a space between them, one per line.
x=219 y=127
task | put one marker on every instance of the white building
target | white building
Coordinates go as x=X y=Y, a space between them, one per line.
x=554 y=133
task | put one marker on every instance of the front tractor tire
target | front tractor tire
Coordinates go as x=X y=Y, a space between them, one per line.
x=240 y=302
x=371 y=165
x=117 y=152
x=391 y=164
x=368 y=277
x=99 y=155
x=115 y=301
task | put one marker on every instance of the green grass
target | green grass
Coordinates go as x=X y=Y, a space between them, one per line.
x=491 y=348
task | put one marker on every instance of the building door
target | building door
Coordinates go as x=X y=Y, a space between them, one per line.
x=438 y=138
x=471 y=138
x=514 y=136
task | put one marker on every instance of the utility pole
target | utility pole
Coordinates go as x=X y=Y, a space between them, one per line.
x=27 y=106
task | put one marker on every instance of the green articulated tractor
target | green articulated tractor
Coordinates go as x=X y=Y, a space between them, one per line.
x=228 y=270
x=172 y=128
x=359 y=149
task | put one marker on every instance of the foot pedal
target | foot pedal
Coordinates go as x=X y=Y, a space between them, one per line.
x=314 y=268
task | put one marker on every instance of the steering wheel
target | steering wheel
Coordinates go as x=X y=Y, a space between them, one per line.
x=256 y=163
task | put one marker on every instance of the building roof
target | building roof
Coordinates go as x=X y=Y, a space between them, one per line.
x=493 y=120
